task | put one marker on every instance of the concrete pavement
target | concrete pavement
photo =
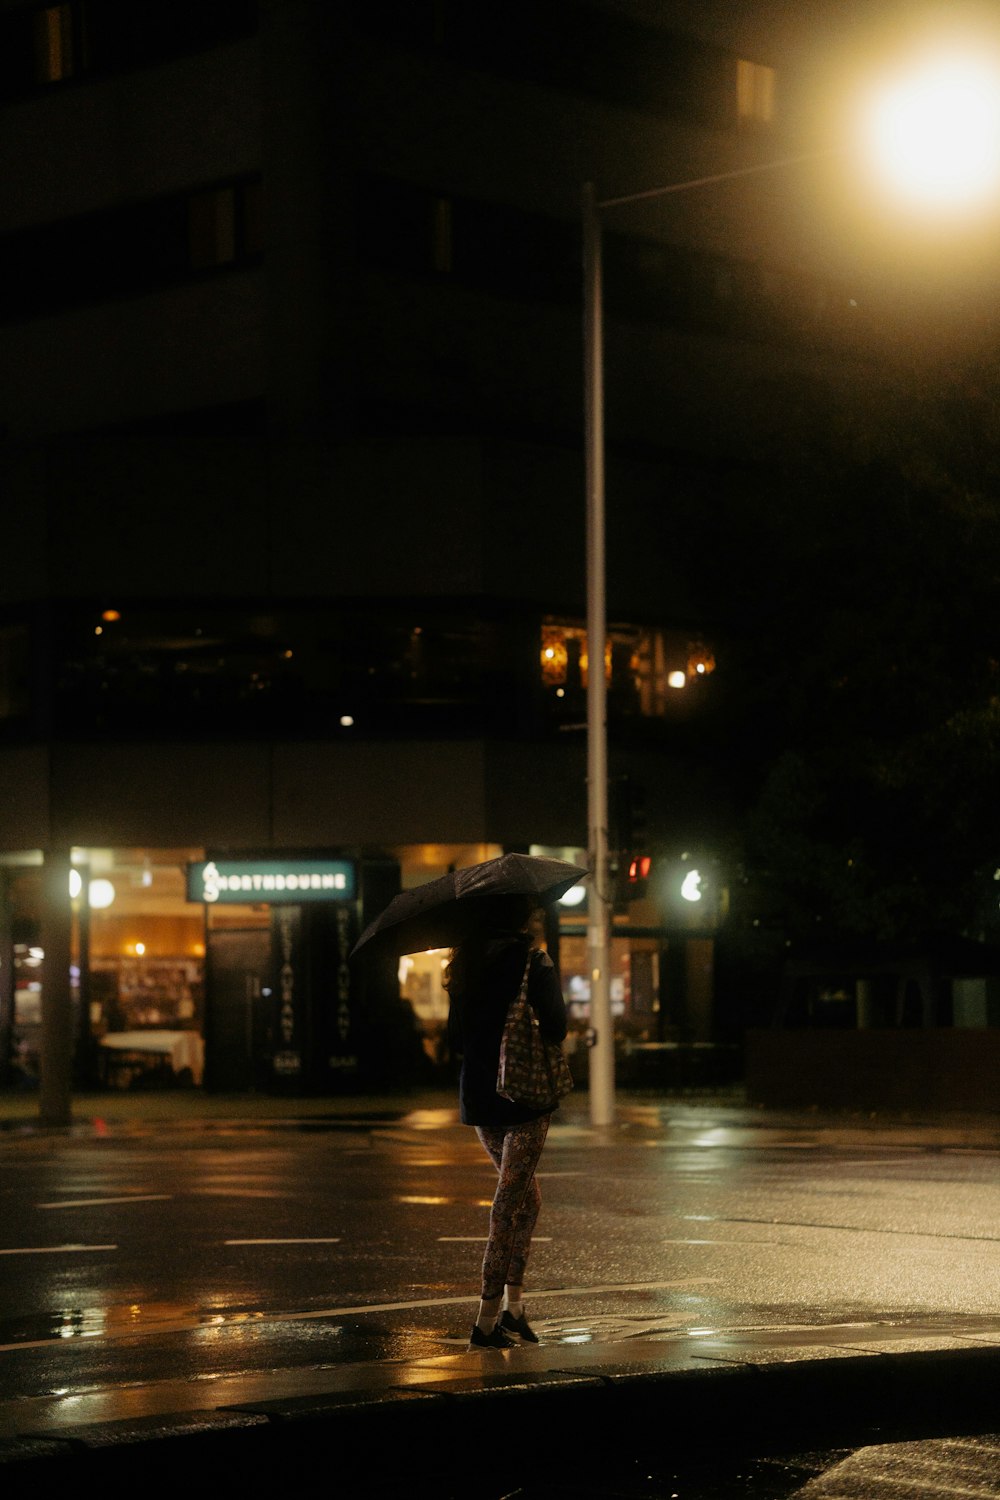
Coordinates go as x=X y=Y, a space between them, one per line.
x=740 y=1397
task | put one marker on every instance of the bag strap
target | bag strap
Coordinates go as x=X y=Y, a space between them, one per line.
x=522 y=994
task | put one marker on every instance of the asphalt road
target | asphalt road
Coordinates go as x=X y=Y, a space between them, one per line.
x=165 y=1266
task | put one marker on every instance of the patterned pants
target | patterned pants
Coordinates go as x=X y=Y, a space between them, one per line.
x=514 y=1151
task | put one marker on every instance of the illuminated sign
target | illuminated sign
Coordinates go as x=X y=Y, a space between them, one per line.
x=218 y=881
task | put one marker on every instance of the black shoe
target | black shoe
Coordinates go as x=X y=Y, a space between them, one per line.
x=519 y=1327
x=496 y=1339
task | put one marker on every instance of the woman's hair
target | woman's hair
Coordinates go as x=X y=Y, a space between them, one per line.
x=492 y=917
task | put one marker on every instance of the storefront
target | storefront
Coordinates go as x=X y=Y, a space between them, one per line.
x=232 y=973
x=137 y=966
x=189 y=969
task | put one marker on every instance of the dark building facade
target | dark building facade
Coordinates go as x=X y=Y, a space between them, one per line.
x=293 y=495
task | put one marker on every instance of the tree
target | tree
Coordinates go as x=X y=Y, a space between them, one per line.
x=860 y=590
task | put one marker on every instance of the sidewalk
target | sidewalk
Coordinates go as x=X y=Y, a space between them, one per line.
x=196 y=1109
x=756 y=1391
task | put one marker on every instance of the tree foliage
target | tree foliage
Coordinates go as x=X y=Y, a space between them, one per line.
x=861 y=595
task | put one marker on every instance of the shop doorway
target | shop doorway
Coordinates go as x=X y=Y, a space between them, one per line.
x=239 y=1040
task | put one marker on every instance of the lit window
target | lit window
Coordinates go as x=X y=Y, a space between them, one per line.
x=564 y=656
x=755 y=89
x=555 y=656
x=54 y=51
x=642 y=664
x=701 y=660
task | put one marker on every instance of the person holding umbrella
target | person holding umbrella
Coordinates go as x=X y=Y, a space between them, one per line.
x=491 y=916
x=483 y=977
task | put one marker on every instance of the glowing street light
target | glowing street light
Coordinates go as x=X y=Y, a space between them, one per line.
x=933 y=133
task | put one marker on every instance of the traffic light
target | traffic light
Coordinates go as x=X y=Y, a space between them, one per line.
x=628 y=819
x=695 y=890
x=628 y=837
x=638 y=828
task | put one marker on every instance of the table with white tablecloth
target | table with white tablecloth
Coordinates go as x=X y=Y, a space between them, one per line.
x=183 y=1050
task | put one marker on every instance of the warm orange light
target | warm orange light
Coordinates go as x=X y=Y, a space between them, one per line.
x=585 y=661
x=555 y=656
x=110 y=614
x=701 y=661
x=934 y=130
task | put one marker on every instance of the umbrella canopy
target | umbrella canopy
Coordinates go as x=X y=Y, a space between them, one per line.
x=433 y=915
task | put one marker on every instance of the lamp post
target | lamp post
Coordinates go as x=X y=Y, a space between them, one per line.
x=602 y=1051
x=904 y=132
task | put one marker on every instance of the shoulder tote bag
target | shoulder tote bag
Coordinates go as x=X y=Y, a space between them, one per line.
x=533 y=1072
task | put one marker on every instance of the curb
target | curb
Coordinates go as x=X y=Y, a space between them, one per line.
x=844 y=1402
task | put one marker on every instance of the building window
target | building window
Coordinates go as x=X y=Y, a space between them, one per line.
x=212 y=228
x=411 y=229
x=58 y=45
x=645 y=668
x=43 y=44
x=224 y=225
x=755 y=93
x=564 y=658
x=251 y=217
x=351 y=672
x=442 y=235
x=130 y=249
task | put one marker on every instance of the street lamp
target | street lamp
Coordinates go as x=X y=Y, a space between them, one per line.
x=934 y=130
x=902 y=120
x=602 y=1051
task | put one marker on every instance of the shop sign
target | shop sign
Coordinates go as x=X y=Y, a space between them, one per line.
x=273 y=880
x=288 y=1058
x=342 y=1057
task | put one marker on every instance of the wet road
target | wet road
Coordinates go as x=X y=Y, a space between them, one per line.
x=188 y=1254
x=173 y=1259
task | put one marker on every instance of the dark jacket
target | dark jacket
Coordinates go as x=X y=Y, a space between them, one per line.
x=476 y=1019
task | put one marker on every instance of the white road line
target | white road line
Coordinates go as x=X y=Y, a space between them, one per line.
x=715 y=1242
x=728 y=1244
x=54 y=1249
x=217 y=1321
x=481 y=1239
x=325 y=1241
x=101 y=1202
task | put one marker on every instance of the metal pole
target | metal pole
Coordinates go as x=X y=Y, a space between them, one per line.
x=56 y=1049
x=602 y=1052
x=599 y=926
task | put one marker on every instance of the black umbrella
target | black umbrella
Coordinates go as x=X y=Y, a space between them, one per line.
x=433 y=915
